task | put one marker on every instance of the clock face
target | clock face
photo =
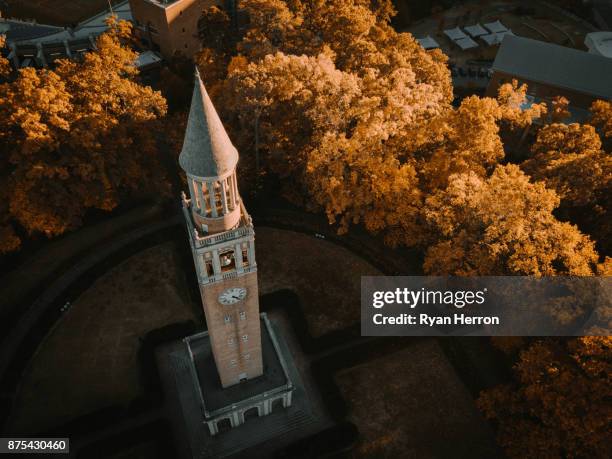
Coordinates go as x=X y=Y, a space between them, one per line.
x=232 y=295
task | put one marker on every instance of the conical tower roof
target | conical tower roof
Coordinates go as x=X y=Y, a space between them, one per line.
x=207 y=150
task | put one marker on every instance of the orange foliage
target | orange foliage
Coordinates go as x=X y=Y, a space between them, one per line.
x=319 y=88
x=5 y=66
x=502 y=225
x=511 y=97
x=570 y=159
x=601 y=111
x=76 y=137
x=559 y=405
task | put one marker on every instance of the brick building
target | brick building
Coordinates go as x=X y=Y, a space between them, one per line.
x=170 y=26
x=551 y=70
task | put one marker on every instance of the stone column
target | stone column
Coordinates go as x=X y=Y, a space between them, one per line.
x=251 y=252
x=235 y=187
x=267 y=407
x=213 y=198
x=40 y=55
x=230 y=187
x=67 y=48
x=212 y=427
x=224 y=196
x=202 y=204
x=192 y=192
x=216 y=263
x=236 y=419
x=202 y=266
x=238 y=258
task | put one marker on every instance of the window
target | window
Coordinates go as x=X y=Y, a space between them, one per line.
x=246 y=356
x=183 y=29
x=230 y=341
x=209 y=268
x=242 y=315
x=227 y=319
x=227 y=261
x=233 y=362
x=245 y=337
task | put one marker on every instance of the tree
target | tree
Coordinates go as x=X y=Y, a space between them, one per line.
x=502 y=225
x=313 y=85
x=75 y=138
x=601 y=111
x=460 y=141
x=5 y=66
x=517 y=111
x=559 y=403
x=570 y=159
x=355 y=119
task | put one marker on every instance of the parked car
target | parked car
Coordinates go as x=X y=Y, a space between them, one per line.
x=471 y=72
x=482 y=72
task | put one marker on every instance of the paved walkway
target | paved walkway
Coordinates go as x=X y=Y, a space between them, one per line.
x=23 y=282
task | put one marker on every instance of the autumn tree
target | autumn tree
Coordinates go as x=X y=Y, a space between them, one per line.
x=76 y=137
x=601 y=111
x=516 y=110
x=559 y=404
x=355 y=119
x=459 y=141
x=315 y=89
x=573 y=160
x=5 y=66
x=570 y=159
x=502 y=225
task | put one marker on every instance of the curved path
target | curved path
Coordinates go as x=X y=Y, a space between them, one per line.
x=91 y=252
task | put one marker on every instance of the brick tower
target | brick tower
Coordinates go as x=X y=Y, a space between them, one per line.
x=222 y=242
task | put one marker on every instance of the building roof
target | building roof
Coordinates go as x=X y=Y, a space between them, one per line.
x=555 y=65
x=455 y=34
x=599 y=43
x=16 y=30
x=495 y=38
x=466 y=43
x=21 y=32
x=147 y=58
x=475 y=30
x=428 y=42
x=207 y=150
x=495 y=27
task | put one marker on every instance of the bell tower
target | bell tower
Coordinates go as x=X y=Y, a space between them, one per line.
x=222 y=242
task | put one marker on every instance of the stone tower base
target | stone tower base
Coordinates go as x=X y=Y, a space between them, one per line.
x=270 y=411
x=229 y=407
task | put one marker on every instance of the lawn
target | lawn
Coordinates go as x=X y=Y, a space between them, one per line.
x=412 y=404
